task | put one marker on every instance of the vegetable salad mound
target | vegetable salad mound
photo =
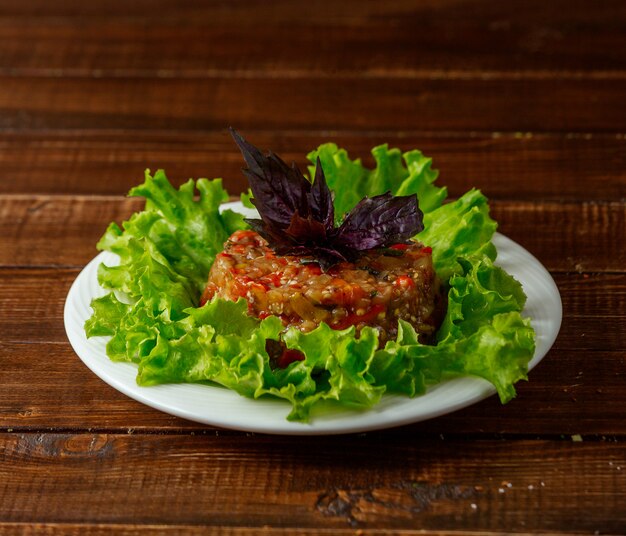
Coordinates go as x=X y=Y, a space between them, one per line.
x=378 y=290
x=153 y=317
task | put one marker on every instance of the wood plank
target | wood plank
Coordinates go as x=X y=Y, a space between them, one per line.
x=303 y=104
x=214 y=12
x=505 y=166
x=578 y=388
x=89 y=529
x=594 y=305
x=47 y=387
x=408 y=39
x=327 y=483
x=63 y=231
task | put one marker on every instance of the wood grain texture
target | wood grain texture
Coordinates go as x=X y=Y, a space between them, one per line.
x=579 y=387
x=46 y=387
x=100 y=529
x=364 y=39
x=255 y=481
x=320 y=104
x=523 y=99
x=533 y=167
x=63 y=231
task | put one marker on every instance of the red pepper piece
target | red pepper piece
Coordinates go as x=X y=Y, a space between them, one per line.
x=404 y=281
x=242 y=234
x=289 y=356
x=257 y=286
x=353 y=319
x=208 y=294
x=314 y=269
x=273 y=278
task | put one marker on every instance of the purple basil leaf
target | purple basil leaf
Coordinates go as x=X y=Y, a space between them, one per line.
x=272 y=234
x=321 y=200
x=306 y=230
x=380 y=221
x=325 y=257
x=297 y=217
x=297 y=185
x=278 y=190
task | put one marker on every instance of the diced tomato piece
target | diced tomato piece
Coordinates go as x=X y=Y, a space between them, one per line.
x=404 y=281
x=289 y=356
x=257 y=286
x=353 y=319
x=239 y=249
x=208 y=294
x=273 y=278
x=426 y=250
x=239 y=285
x=242 y=235
x=401 y=247
x=352 y=294
x=313 y=269
x=345 y=293
x=238 y=290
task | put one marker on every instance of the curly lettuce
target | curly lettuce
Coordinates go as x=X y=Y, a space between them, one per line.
x=152 y=318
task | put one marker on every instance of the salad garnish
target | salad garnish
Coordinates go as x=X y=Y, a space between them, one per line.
x=298 y=217
x=151 y=314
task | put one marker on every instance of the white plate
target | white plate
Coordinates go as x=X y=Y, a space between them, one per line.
x=218 y=406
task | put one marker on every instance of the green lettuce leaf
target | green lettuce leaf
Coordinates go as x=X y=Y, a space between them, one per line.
x=166 y=251
x=476 y=296
x=459 y=229
x=165 y=254
x=483 y=334
x=186 y=232
x=401 y=174
x=246 y=199
x=498 y=351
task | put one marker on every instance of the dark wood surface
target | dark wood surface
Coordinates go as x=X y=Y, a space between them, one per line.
x=523 y=99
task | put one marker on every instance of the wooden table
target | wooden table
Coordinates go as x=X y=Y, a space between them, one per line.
x=524 y=99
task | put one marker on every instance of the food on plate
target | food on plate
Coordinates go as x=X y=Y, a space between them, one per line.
x=383 y=287
x=399 y=290
x=297 y=264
